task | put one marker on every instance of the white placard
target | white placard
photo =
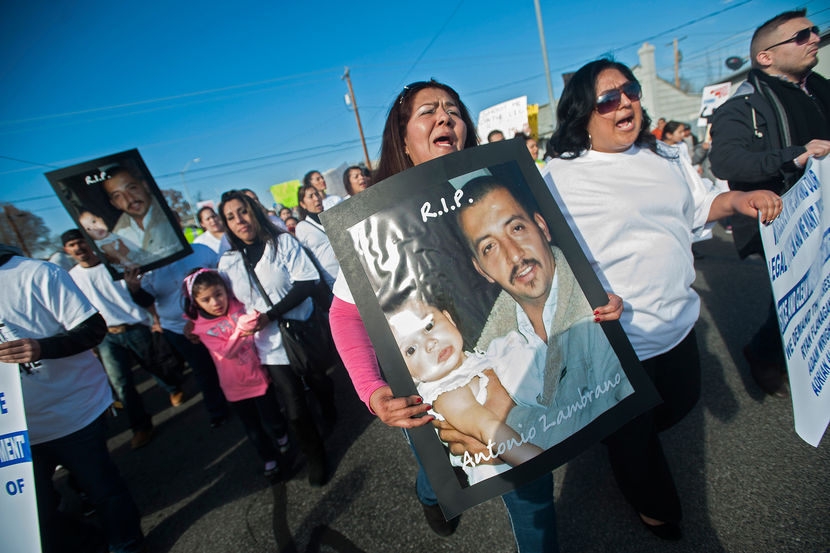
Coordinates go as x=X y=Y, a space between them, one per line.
x=18 y=503
x=509 y=117
x=797 y=248
x=713 y=96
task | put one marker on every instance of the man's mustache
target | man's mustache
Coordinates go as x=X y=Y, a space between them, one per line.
x=524 y=264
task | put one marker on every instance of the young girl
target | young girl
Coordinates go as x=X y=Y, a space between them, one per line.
x=454 y=381
x=225 y=329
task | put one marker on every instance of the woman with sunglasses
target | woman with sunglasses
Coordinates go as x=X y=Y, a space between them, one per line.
x=428 y=120
x=637 y=206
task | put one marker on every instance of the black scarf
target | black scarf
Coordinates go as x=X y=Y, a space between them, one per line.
x=806 y=117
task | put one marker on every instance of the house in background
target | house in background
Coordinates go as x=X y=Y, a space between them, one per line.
x=660 y=97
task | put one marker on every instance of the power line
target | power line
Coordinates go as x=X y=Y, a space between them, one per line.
x=173 y=97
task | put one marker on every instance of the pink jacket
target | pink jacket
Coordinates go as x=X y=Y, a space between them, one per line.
x=240 y=373
x=355 y=349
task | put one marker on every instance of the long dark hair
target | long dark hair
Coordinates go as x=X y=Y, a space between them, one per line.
x=264 y=229
x=301 y=197
x=577 y=104
x=393 y=157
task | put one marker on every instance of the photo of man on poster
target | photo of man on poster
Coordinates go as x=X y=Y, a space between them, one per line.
x=142 y=221
x=510 y=371
x=117 y=205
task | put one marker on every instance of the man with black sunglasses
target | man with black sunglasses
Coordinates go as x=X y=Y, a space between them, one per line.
x=762 y=138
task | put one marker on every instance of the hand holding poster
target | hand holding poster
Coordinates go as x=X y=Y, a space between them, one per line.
x=121 y=212
x=797 y=250
x=507 y=353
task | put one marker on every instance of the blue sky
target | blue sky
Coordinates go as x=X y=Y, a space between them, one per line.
x=230 y=82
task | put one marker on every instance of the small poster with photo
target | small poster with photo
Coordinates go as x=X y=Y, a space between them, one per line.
x=478 y=298
x=121 y=212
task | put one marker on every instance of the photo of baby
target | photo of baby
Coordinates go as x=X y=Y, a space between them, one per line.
x=117 y=250
x=455 y=382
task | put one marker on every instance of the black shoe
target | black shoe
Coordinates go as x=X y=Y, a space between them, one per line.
x=216 y=422
x=437 y=522
x=669 y=531
x=768 y=375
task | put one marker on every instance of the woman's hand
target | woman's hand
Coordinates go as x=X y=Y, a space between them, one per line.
x=399 y=411
x=26 y=350
x=767 y=203
x=611 y=311
x=261 y=322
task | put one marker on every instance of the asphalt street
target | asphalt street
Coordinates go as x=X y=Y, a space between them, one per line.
x=747 y=482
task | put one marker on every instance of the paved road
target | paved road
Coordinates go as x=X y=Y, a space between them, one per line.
x=747 y=482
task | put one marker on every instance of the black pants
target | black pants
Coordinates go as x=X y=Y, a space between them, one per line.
x=263 y=422
x=291 y=391
x=635 y=453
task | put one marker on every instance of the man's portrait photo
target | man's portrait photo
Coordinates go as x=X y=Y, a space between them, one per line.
x=116 y=203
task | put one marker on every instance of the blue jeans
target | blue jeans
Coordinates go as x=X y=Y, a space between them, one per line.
x=118 y=354
x=530 y=508
x=201 y=364
x=84 y=454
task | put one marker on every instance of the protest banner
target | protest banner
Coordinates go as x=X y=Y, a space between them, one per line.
x=713 y=97
x=117 y=206
x=285 y=193
x=18 y=505
x=448 y=313
x=509 y=117
x=797 y=250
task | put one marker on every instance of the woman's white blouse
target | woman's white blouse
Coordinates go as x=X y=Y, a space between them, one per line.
x=277 y=271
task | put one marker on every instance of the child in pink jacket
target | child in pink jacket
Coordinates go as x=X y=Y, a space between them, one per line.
x=220 y=322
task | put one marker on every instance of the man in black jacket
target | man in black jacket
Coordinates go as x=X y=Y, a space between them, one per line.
x=762 y=138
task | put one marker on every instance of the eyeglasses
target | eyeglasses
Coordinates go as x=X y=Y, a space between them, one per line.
x=800 y=38
x=609 y=100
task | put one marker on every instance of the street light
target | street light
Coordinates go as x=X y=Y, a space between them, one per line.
x=184 y=185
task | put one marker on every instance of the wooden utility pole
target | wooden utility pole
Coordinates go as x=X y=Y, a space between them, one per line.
x=357 y=115
x=16 y=232
x=676 y=64
x=545 y=59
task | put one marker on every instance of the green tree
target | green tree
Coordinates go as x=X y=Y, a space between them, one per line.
x=18 y=224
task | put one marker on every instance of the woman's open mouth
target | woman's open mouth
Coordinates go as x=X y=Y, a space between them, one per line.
x=625 y=124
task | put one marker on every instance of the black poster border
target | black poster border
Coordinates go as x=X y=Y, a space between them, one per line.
x=134 y=158
x=452 y=497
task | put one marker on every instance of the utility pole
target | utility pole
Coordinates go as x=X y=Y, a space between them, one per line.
x=677 y=58
x=357 y=115
x=16 y=231
x=545 y=59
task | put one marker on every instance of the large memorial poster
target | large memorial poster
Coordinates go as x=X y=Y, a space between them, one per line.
x=478 y=298
x=797 y=248
x=18 y=504
x=121 y=212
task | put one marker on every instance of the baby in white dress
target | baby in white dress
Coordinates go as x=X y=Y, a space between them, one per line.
x=454 y=383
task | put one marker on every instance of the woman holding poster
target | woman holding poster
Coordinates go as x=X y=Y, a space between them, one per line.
x=428 y=120
x=637 y=207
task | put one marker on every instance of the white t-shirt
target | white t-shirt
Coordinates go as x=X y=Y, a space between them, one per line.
x=312 y=235
x=61 y=396
x=165 y=283
x=110 y=298
x=635 y=214
x=331 y=200
x=276 y=272
x=218 y=245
